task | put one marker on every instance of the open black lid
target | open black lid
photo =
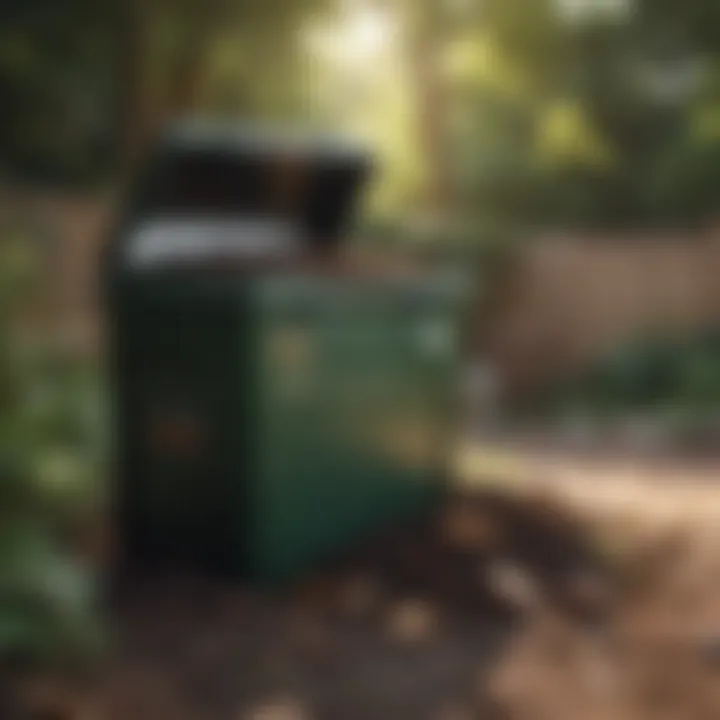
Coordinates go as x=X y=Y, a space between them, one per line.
x=203 y=169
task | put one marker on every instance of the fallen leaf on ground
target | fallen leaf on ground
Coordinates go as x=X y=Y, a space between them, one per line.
x=468 y=528
x=278 y=710
x=514 y=585
x=359 y=596
x=412 y=621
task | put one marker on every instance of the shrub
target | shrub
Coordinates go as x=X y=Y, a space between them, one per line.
x=49 y=461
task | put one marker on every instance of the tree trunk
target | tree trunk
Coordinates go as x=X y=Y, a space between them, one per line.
x=426 y=42
x=144 y=111
x=132 y=86
x=187 y=73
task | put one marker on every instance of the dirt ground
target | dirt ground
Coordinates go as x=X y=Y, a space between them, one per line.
x=550 y=587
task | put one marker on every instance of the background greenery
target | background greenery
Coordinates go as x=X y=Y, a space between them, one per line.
x=551 y=112
x=51 y=446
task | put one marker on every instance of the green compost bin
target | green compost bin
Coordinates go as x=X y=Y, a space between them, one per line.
x=270 y=416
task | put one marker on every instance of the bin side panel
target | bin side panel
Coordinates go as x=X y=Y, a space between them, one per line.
x=179 y=460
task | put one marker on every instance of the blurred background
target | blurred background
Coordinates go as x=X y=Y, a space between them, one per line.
x=566 y=152
x=567 y=148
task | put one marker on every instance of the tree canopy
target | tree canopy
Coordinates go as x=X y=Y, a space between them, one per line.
x=553 y=112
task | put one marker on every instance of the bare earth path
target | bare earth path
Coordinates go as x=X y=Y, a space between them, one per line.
x=413 y=628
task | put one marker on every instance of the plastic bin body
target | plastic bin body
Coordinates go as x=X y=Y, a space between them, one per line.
x=181 y=419
x=269 y=413
x=270 y=423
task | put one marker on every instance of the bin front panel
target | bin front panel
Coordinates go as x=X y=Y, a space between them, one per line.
x=354 y=384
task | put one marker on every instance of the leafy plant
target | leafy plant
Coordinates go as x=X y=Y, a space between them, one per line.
x=676 y=377
x=49 y=460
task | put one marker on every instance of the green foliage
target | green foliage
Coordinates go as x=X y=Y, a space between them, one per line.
x=83 y=80
x=57 y=73
x=669 y=375
x=46 y=610
x=567 y=121
x=590 y=123
x=50 y=453
x=686 y=185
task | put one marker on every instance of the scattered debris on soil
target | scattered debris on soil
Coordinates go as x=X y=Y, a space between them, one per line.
x=501 y=607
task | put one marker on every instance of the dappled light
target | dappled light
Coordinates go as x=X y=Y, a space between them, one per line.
x=359 y=360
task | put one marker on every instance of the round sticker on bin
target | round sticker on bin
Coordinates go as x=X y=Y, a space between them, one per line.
x=291 y=354
x=175 y=433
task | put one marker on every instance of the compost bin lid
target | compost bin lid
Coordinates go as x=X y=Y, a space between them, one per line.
x=213 y=170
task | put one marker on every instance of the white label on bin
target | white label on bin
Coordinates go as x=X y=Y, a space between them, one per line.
x=197 y=239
